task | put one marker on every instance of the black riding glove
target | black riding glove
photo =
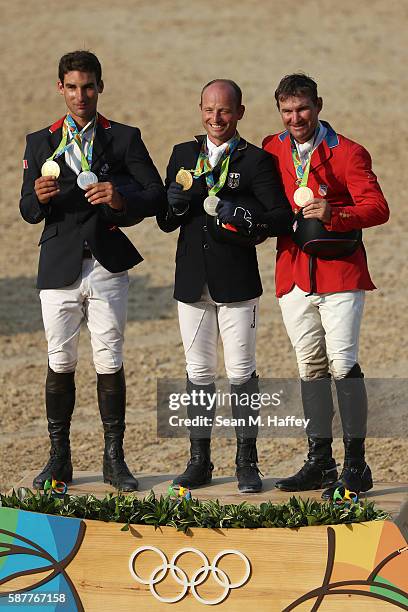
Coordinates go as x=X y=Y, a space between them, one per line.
x=234 y=214
x=178 y=199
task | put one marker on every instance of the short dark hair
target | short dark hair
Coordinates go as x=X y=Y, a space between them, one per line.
x=296 y=85
x=236 y=89
x=84 y=61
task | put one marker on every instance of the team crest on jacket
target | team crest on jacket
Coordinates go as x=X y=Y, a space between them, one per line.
x=233 y=179
x=104 y=170
x=322 y=190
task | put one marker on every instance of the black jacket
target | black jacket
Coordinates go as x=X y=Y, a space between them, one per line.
x=231 y=271
x=119 y=155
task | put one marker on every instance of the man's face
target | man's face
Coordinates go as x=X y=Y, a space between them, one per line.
x=300 y=116
x=80 y=91
x=220 y=112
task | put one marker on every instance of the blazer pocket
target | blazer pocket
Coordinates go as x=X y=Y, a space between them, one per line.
x=49 y=232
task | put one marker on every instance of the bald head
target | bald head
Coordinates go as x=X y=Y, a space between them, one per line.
x=235 y=89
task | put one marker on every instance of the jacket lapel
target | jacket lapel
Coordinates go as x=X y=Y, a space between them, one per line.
x=320 y=155
x=239 y=151
x=195 y=151
x=103 y=138
x=286 y=144
x=53 y=141
x=324 y=150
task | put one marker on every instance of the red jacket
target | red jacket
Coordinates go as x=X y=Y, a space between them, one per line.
x=340 y=171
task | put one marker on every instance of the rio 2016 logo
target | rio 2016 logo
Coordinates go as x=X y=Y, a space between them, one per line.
x=181 y=578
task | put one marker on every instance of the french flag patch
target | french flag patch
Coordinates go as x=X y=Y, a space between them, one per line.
x=25 y=164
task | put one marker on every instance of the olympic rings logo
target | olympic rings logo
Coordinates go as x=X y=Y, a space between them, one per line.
x=199 y=576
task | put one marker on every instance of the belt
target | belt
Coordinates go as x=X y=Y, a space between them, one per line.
x=87 y=254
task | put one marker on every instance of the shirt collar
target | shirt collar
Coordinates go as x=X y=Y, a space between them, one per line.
x=86 y=131
x=211 y=147
x=310 y=145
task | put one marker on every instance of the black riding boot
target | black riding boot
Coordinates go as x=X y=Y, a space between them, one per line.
x=319 y=470
x=112 y=405
x=59 y=403
x=352 y=397
x=247 y=469
x=199 y=468
x=246 y=459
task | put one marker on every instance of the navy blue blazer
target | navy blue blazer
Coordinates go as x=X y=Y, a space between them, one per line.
x=230 y=270
x=119 y=155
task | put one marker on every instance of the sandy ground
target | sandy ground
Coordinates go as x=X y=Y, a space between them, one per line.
x=156 y=56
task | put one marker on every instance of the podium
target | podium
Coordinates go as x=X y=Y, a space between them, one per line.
x=95 y=566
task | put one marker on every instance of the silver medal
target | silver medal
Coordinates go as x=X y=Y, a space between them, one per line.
x=86 y=178
x=210 y=204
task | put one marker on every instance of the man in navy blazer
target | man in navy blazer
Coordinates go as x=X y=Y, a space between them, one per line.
x=217 y=281
x=99 y=177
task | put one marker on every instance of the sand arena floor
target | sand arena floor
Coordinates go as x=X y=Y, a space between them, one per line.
x=156 y=56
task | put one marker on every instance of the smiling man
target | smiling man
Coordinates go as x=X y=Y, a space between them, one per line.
x=331 y=187
x=230 y=193
x=86 y=176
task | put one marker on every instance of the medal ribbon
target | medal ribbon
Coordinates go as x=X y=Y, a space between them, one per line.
x=69 y=124
x=203 y=165
x=302 y=173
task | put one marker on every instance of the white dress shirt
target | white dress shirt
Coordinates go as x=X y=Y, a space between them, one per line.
x=306 y=149
x=215 y=152
x=73 y=154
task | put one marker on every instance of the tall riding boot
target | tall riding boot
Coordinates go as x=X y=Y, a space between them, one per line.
x=319 y=470
x=246 y=459
x=199 y=468
x=59 y=403
x=112 y=406
x=352 y=397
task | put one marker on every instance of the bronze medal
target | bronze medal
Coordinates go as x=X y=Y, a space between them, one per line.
x=302 y=196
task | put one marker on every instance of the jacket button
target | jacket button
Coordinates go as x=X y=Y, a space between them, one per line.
x=206 y=246
x=205 y=228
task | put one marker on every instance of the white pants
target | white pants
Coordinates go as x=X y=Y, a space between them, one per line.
x=324 y=330
x=100 y=298
x=203 y=322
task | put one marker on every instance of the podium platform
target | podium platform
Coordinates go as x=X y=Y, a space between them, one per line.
x=96 y=566
x=387 y=495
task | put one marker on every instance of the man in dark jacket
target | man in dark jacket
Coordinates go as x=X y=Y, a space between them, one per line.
x=86 y=176
x=217 y=282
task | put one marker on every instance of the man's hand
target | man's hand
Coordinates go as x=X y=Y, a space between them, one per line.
x=234 y=214
x=46 y=187
x=104 y=193
x=318 y=209
x=178 y=199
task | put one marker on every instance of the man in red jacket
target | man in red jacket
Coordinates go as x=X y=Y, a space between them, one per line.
x=330 y=178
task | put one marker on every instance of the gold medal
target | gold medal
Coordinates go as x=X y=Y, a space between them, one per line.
x=302 y=196
x=50 y=168
x=184 y=178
